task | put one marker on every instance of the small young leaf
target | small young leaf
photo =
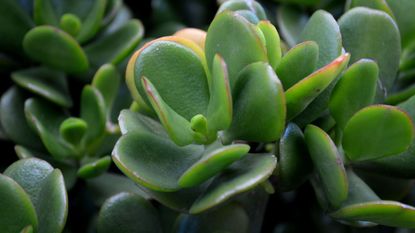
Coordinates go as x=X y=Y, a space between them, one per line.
x=94 y=168
x=107 y=81
x=272 y=42
x=71 y=24
x=93 y=112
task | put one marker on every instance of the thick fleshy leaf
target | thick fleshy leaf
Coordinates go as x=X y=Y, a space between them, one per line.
x=291 y=22
x=402 y=10
x=115 y=47
x=46 y=120
x=135 y=122
x=328 y=163
x=92 y=22
x=401 y=165
x=17 y=210
x=94 y=168
x=272 y=42
x=13 y=120
x=15 y=23
x=196 y=35
x=178 y=128
x=389 y=213
x=377 y=131
x=219 y=113
x=381 y=5
x=42 y=42
x=182 y=62
x=356 y=89
x=239 y=47
x=128 y=213
x=257 y=115
x=71 y=24
x=212 y=163
x=373 y=34
x=297 y=63
x=237 y=5
x=48 y=83
x=241 y=176
x=46 y=189
x=108 y=185
x=323 y=29
x=107 y=81
x=299 y=96
x=152 y=161
x=73 y=129
x=231 y=218
x=93 y=112
x=294 y=165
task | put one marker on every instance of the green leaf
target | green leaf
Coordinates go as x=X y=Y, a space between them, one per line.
x=219 y=112
x=152 y=161
x=44 y=12
x=182 y=62
x=46 y=189
x=135 y=122
x=94 y=168
x=17 y=210
x=178 y=128
x=389 y=213
x=372 y=34
x=258 y=115
x=402 y=10
x=228 y=43
x=42 y=42
x=381 y=5
x=231 y=218
x=323 y=29
x=110 y=184
x=272 y=42
x=401 y=165
x=297 y=63
x=356 y=89
x=294 y=165
x=236 y=5
x=328 y=164
x=73 y=129
x=46 y=120
x=92 y=22
x=71 y=24
x=291 y=22
x=211 y=164
x=241 y=176
x=128 y=213
x=15 y=23
x=50 y=84
x=13 y=120
x=116 y=46
x=107 y=81
x=377 y=131
x=93 y=113
x=299 y=96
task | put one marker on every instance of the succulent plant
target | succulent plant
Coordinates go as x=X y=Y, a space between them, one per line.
x=220 y=121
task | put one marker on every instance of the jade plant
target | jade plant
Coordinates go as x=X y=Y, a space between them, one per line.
x=220 y=121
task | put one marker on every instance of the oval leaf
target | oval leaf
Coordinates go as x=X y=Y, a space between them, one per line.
x=377 y=131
